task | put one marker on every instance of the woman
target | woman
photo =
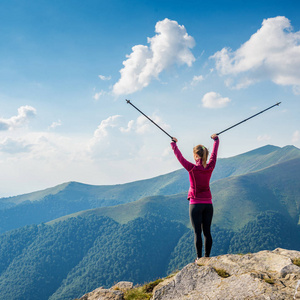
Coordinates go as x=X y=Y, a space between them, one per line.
x=199 y=195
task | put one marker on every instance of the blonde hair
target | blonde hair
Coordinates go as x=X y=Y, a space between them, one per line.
x=202 y=152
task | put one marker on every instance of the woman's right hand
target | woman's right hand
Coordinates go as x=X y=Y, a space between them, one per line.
x=174 y=140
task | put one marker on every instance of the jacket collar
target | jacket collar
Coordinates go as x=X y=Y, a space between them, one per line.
x=199 y=162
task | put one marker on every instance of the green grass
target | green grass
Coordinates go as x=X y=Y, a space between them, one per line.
x=142 y=292
x=296 y=261
x=137 y=294
x=222 y=273
x=150 y=286
x=269 y=280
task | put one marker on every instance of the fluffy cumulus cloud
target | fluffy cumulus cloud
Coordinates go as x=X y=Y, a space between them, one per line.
x=171 y=45
x=25 y=113
x=116 y=138
x=214 y=100
x=272 y=53
x=105 y=125
x=108 y=140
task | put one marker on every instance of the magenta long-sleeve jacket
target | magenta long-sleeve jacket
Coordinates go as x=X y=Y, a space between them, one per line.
x=199 y=191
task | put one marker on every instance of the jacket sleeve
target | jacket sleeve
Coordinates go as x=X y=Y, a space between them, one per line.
x=186 y=164
x=213 y=156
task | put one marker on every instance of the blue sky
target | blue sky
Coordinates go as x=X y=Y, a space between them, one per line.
x=195 y=67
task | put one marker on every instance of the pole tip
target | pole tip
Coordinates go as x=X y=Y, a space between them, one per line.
x=278 y=103
x=128 y=101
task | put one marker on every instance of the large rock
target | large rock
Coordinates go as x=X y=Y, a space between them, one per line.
x=114 y=293
x=263 y=275
x=266 y=275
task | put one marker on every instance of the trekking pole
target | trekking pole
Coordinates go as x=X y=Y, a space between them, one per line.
x=277 y=104
x=128 y=101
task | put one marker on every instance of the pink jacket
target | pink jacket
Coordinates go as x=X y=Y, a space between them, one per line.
x=199 y=191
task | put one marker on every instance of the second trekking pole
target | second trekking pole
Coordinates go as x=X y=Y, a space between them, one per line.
x=277 y=104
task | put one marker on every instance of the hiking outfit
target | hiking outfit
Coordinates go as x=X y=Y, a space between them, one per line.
x=199 y=195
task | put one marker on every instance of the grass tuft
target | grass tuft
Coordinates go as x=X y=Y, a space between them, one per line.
x=142 y=292
x=222 y=273
x=150 y=286
x=269 y=280
x=296 y=262
x=137 y=294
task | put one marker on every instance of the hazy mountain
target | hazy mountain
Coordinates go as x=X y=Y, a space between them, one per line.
x=254 y=160
x=72 y=197
x=237 y=199
x=43 y=206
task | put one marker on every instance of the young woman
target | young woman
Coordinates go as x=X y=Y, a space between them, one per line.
x=199 y=195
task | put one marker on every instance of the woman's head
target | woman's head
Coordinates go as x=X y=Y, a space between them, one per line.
x=201 y=152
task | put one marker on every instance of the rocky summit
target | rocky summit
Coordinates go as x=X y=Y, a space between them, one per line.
x=271 y=275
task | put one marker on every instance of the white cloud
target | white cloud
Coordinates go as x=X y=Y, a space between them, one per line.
x=214 y=100
x=296 y=136
x=102 y=77
x=263 y=138
x=120 y=150
x=55 y=124
x=14 y=146
x=100 y=94
x=171 y=45
x=272 y=53
x=108 y=141
x=143 y=125
x=197 y=79
x=130 y=127
x=116 y=138
x=105 y=125
x=24 y=114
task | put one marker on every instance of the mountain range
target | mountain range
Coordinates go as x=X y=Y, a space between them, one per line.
x=71 y=197
x=97 y=235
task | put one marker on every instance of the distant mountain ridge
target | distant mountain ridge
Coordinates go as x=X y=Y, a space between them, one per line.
x=249 y=161
x=72 y=197
x=237 y=199
x=254 y=160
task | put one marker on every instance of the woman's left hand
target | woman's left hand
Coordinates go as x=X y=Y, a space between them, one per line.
x=214 y=136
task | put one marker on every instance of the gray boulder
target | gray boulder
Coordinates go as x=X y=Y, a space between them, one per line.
x=264 y=275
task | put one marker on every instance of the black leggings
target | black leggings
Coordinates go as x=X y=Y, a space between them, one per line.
x=201 y=216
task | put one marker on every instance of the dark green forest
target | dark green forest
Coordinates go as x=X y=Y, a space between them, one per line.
x=75 y=256
x=67 y=259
